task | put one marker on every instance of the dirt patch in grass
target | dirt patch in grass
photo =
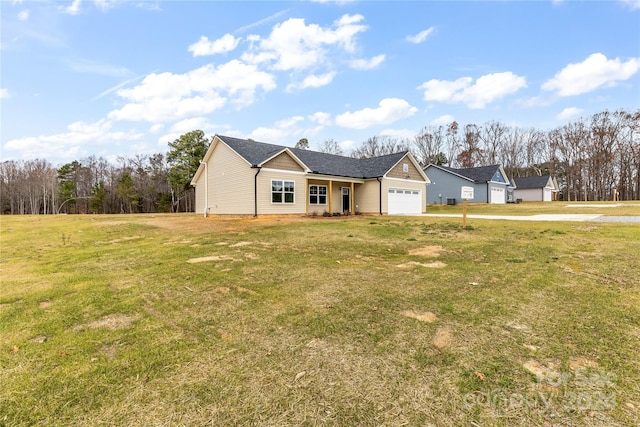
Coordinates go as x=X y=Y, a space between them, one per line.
x=411 y=264
x=240 y=244
x=443 y=338
x=550 y=371
x=580 y=362
x=212 y=258
x=111 y=322
x=245 y=290
x=45 y=304
x=423 y=316
x=427 y=251
x=517 y=326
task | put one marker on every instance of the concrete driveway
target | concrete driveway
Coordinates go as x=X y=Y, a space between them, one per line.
x=547 y=217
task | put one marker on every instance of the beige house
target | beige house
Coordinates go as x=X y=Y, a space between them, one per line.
x=243 y=177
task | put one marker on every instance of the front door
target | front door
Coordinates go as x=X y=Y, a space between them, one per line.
x=346 y=200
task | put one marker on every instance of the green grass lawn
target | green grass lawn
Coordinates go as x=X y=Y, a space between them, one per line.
x=181 y=320
x=625 y=208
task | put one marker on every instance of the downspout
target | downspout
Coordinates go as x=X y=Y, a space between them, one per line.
x=378 y=179
x=206 y=187
x=255 y=190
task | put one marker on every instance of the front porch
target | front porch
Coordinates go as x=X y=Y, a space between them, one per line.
x=331 y=195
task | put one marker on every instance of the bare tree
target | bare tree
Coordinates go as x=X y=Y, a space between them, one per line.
x=453 y=142
x=491 y=140
x=330 y=146
x=428 y=146
x=471 y=153
x=379 y=146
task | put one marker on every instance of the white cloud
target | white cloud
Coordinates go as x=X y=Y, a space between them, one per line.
x=443 y=120
x=99 y=68
x=321 y=118
x=104 y=5
x=421 y=36
x=284 y=131
x=389 y=110
x=168 y=96
x=367 y=64
x=156 y=128
x=293 y=45
x=4 y=93
x=569 y=114
x=313 y=81
x=23 y=15
x=193 y=123
x=631 y=4
x=73 y=8
x=486 y=89
x=79 y=137
x=204 y=47
x=594 y=72
x=347 y=145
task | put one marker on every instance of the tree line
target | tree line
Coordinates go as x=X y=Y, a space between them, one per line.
x=589 y=157
x=143 y=183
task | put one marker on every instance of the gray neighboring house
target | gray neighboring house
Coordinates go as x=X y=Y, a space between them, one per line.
x=490 y=184
x=244 y=177
x=536 y=188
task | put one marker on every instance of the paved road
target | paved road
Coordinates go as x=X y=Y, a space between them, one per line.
x=548 y=217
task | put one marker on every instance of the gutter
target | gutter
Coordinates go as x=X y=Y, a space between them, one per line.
x=206 y=187
x=380 y=182
x=255 y=190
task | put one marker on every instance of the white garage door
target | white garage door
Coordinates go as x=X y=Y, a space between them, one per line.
x=546 y=195
x=497 y=195
x=404 y=202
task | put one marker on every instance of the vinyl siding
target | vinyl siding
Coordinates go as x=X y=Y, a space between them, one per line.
x=367 y=196
x=449 y=186
x=283 y=161
x=528 y=194
x=230 y=183
x=398 y=171
x=265 y=206
x=200 y=194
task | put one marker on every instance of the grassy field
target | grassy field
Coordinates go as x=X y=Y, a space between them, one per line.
x=606 y=208
x=148 y=320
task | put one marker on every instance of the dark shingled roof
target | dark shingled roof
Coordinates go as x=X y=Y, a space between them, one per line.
x=479 y=174
x=531 y=181
x=320 y=163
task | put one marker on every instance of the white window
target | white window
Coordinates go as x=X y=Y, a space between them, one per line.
x=282 y=191
x=317 y=194
x=405 y=167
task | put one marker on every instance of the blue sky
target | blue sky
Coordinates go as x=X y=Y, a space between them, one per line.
x=118 y=78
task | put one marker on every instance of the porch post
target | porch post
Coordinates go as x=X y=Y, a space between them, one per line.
x=306 y=191
x=353 y=198
x=330 y=196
